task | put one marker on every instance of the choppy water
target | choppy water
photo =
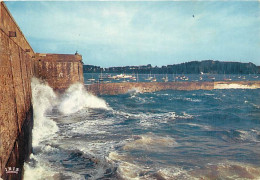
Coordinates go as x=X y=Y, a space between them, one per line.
x=162 y=135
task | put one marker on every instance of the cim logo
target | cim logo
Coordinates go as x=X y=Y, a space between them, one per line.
x=11 y=170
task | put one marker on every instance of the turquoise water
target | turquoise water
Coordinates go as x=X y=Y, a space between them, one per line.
x=161 y=135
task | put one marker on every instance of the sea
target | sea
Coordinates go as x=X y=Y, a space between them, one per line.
x=164 y=135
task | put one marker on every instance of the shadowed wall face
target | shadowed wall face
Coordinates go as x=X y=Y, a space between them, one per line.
x=18 y=63
x=59 y=70
x=15 y=95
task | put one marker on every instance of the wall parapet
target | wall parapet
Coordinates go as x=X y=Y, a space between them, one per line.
x=126 y=87
x=9 y=26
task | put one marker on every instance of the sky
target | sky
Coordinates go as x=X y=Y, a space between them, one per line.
x=121 y=33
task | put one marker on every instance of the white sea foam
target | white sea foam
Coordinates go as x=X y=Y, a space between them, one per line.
x=40 y=170
x=256 y=106
x=45 y=128
x=251 y=135
x=174 y=173
x=200 y=126
x=192 y=100
x=154 y=119
x=77 y=98
x=43 y=99
x=91 y=126
x=185 y=116
x=217 y=98
x=208 y=94
x=148 y=119
x=49 y=148
x=133 y=91
x=150 y=142
x=114 y=156
x=141 y=100
x=129 y=171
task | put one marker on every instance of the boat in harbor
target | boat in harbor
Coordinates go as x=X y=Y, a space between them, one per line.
x=91 y=79
x=165 y=79
x=149 y=77
x=154 y=80
x=227 y=79
x=121 y=76
x=133 y=78
x=185 y=78
x=211 y=77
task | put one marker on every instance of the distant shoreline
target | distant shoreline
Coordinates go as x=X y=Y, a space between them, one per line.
x=192 y=67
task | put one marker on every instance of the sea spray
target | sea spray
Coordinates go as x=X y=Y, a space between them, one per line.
x=43 y=99
x=37 y=171
x=181 y=141
x=77 y=98
x=150 y=142
x=46 y=130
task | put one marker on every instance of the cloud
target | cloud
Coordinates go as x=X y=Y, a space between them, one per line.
x=142 y=32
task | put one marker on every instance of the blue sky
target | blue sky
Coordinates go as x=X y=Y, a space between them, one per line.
x=138 y=33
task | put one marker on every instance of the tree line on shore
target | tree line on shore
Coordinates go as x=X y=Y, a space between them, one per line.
x=192 y=67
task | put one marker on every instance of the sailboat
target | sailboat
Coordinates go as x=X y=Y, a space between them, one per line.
x=124 y=80
x=101 y=77
x=165 y=79
x=153 y=79
x=211 y=77
x=91 y=79
x=133 y=77
x=226 y=79
x=149 y=77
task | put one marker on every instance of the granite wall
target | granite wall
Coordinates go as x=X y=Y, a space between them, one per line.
x=122 y=88
x=18 y=64
x=16 y=70
x=59 y=70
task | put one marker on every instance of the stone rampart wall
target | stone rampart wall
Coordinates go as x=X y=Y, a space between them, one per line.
x=59 y=70
x=122 y=88
x=16 y=70
x=18 y=64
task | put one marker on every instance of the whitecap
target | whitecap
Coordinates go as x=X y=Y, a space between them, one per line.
x=200 y=126
x=150 y=142
x=77 y=98
x=43 y=99
x=174 y=173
